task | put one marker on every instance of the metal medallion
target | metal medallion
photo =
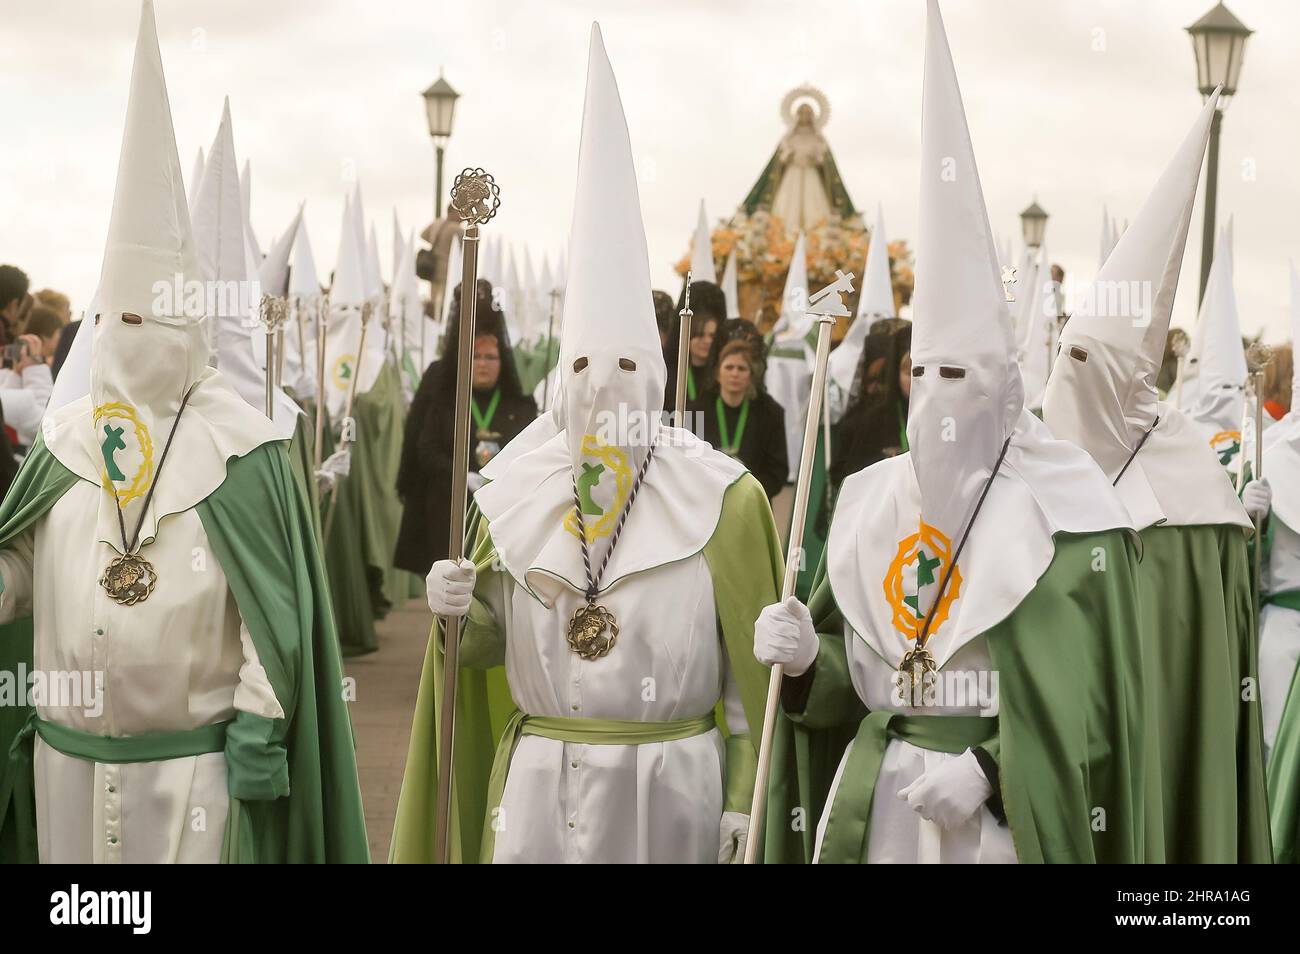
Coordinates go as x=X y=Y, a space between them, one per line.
x=592 y=631
x=129 y=579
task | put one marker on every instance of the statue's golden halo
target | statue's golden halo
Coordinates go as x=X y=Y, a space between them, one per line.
x=806 y=94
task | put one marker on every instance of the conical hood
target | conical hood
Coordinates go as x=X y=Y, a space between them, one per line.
x=149 y=348
x=1221 y=359
x=730 y=286
x=875 y=303
x=373 y=272
x=966 y=390
x=218 y=213
x=348 y=286
x=613 y=375
x=702 y=268
x=399 y=246
x=274 y=273
x=246 y=194
x=304 y=282
x=1102 y=395
x=793 y=322
x=196 y=177
x=1037 y=329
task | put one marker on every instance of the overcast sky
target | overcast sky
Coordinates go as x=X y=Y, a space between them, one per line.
x=1079 y=102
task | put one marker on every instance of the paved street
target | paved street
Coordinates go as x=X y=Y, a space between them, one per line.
x=387 y=681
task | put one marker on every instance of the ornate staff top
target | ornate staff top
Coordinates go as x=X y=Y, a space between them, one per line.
x=1258 y=355
x=273 y=312
x=475 y=196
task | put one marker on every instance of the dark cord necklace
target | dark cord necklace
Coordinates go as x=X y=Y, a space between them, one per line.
x=593 y=628
x=130 y=578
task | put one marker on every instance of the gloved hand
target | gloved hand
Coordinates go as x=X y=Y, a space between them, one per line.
x=474 y=480
x=333 y=469
x=950 y=793
x=733 y=832
x=1257 y=498
x=450 y=586
x=783 y=633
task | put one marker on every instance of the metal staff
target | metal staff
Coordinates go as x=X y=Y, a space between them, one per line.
x=272 y=317
x=826 y=304
x=1180 y=344
x=683 y=354
x=322 y=318
x=1258 y=355
x=366 y=311
x=554 y=294
x=475 y=197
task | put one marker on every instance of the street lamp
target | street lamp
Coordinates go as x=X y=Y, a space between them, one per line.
x=1219 y=42
x=440 y=104
x=1033 y=225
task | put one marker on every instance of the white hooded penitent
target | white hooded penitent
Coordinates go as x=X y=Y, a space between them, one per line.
x=875 y=303
x=702 y=267
x=150 y=344
x=1102 y=395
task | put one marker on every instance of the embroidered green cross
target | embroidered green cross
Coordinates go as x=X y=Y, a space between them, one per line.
x=589 y=478
x=925 y=568
x=345 y=370
x=112 y=444
x=1229 y=453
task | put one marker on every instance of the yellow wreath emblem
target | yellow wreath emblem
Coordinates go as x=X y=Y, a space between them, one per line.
x=910 y=549
x=616 y=462
x=143 y=476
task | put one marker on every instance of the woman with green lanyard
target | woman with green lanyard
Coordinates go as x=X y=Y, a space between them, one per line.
x=739 y=418
x=500 y=410
x=709 y=308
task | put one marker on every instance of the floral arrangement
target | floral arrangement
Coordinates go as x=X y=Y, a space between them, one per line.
x=764 y=248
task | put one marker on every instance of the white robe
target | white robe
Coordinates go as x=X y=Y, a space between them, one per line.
x=179 y=660
x=610 y=804
x=898 y=834
x=1279 y=631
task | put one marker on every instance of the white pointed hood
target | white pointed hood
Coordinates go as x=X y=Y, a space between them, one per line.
x=1103 y=396
x=612 y=387
x=373 y=271
x=1221 y=360
x=343 y=341
x=274 y=273
x=702 y=267
x=793 y=323
x=222 y=239
x=246 y=196
x=195 y=178
x=304 y=282
x=1282 y=440
x=150 y=342
x=875 y=303
x=730 y=286
x=399 y=246
x=908 y=513
x=1036 y=328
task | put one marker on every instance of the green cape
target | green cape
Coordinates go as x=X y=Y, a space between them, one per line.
x=1284 y=760
x=1069 y=736
x=359 y=552
x=1199 y=641
x=259 y=526
x=745 y=563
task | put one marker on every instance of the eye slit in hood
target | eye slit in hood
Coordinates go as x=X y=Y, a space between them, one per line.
x=918 y=370
x=579 y=366
x=951 y=372
x=129 y=318
x=1078 y=354
x=627 y=364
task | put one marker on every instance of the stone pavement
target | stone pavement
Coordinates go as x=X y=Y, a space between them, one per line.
x=387 y=681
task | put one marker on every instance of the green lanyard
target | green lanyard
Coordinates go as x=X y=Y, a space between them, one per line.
x=727 y=446
x=484 y=420
x=690 y=383
x=902 y=428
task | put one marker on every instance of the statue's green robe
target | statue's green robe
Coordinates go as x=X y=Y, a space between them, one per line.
x=1069 y=739
x=259 y=525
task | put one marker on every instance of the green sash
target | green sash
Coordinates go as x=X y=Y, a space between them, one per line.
x=585 y=731
x=849 y=821
x=1289 y=599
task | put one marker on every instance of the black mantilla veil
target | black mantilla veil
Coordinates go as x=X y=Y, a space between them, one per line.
x=876 y=416
x=739 y=329
x=437 y=391
x=708 y=303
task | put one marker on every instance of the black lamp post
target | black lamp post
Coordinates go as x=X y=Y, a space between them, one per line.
x=1219 y=42
x=1033 y=225
x=440 y=104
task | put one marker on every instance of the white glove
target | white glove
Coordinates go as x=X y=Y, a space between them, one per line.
x=733 y=832
x=783 y=633
x=950 y=793
x=1257 y=498
x=474 y=480
x=450 y=586
x=333 y=469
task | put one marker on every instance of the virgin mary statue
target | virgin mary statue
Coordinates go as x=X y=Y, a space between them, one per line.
x=801 y=184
